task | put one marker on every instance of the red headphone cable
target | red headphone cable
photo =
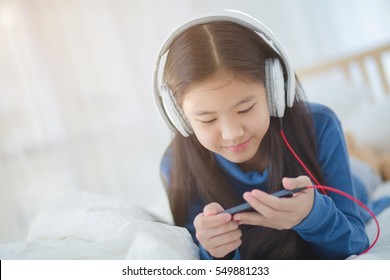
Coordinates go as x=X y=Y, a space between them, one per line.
x=361 y=204
x=324 y=188
x=301 y=162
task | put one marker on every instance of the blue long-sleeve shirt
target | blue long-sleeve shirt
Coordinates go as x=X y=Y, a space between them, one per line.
x=334 y=227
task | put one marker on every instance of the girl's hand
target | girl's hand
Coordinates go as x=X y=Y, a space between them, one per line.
x=275 y=212
x=217 y=233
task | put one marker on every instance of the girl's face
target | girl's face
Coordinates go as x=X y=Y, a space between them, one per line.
x=229 y=119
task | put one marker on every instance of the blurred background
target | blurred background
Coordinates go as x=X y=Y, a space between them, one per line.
x=76 y=99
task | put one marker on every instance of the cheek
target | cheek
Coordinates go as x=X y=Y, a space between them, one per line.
x=260 y=124
x=262 y=127
x=207 y=138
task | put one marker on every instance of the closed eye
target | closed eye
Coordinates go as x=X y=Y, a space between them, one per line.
x=207 y=122
x=247 y=110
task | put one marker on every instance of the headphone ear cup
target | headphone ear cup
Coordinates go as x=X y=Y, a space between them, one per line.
x=274 y=86
x=174 y=113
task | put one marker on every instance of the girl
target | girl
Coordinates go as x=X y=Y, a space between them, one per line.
x=217 y=80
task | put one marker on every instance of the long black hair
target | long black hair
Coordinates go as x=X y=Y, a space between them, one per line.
x=195 y=56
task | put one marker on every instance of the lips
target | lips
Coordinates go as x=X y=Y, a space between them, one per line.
x=240 y=147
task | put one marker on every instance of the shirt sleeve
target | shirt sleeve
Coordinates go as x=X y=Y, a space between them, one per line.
x=204 y=255
x=334 y=226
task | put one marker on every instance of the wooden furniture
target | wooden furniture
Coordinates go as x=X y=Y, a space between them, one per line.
x=360 y=59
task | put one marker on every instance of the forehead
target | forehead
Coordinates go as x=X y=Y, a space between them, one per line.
x=216 y=94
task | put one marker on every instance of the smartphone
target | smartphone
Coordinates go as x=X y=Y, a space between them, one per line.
x=246 y=207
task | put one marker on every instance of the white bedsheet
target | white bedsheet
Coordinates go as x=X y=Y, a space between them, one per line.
x=89 y=226
x=381 y=250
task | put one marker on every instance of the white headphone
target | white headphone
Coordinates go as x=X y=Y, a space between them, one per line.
x=277 y=90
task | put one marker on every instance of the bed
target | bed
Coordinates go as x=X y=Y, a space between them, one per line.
x=84 y=225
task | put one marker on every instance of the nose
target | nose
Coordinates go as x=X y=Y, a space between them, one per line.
x=231 y=129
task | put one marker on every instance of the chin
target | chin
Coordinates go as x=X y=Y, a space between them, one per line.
x=238 y=158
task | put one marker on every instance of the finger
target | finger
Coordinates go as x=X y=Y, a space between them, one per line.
x=277 y=222
x=208 y=222
x=213 y=241
x=223 y=250
x=292 y=183
x=212 y=209
x=265 y=203
x=213 y=220
x=217 y=231
x=249 y=218
x=225 y=238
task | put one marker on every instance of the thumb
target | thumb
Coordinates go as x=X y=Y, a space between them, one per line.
x=292 y=183
x=212 y=209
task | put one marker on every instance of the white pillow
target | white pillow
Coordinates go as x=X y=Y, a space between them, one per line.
x=90 y=226
x=344 y=98
x=355 y=107
x=370 y=125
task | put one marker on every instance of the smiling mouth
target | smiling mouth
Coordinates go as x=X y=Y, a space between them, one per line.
x=240 y=147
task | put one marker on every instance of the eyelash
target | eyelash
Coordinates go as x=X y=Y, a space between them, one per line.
x=240 y=112
x=207 y=122
x=247 y=110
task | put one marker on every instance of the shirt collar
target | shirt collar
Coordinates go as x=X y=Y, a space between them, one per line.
x=250 y=178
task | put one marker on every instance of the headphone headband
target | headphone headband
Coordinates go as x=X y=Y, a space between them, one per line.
x=230 y=16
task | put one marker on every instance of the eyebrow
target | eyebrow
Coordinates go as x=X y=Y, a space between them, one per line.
x=242 y=101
